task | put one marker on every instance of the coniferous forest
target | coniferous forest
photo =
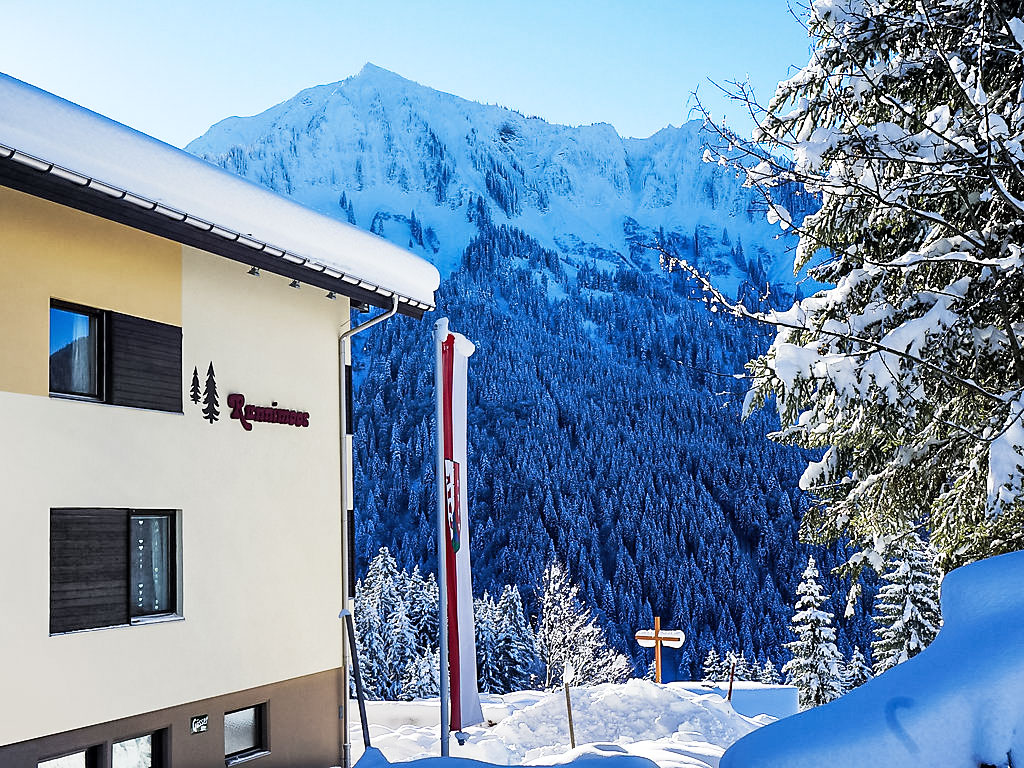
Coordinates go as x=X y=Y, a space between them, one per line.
x=604 y=432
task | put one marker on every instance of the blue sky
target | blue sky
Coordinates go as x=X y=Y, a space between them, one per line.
x=172 y=69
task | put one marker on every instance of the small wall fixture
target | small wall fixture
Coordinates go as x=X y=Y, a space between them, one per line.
x=332 y=295
x=254 y=271
x=294 y=284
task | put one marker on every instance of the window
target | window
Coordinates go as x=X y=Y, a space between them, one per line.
x=141 y=752
x=245 y=734
x=114 y=358
x=75 y=344
x=110 y=567
x=86 y=758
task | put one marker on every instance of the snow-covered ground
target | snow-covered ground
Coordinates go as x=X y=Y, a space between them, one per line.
x=667 y=724
x=957 y=704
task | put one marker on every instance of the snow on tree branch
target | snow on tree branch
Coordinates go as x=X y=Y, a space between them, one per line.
x=908 y=372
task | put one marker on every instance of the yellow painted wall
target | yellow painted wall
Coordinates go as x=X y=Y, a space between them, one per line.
x=51 y=251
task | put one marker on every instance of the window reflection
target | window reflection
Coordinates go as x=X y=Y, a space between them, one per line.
x=74 y=352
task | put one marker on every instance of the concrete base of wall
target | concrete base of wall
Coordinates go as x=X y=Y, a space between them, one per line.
x=303 y=729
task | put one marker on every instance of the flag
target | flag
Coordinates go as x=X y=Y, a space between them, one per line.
x=455 y=582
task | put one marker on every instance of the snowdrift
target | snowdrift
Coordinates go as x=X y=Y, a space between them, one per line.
x=639 y=720
x=753 y=699
x=958 y=704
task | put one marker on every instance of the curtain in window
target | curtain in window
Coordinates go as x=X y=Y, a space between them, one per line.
x=149 y=540
x=83 y=354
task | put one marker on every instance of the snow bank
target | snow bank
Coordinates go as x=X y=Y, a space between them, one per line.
x=957 y=704
x=606 y=756
x=753 y=699
x=666 y=724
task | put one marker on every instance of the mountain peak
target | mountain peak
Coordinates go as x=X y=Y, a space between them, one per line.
x=371 y=73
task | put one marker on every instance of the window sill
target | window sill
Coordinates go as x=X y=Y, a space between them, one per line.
x=156 y=619
x=245 y=757
x=138 y=621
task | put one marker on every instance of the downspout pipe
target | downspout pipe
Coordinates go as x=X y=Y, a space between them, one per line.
x=348 y=580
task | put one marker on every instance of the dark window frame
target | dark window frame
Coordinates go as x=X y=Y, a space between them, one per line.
x=262 y=746
x=159 y=746
x=172 y=565
x=93 y=756
x=139 y=361
x=100 y=316
x=172 y=612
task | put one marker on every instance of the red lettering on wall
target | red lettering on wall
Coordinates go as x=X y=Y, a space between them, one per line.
x=246 y=414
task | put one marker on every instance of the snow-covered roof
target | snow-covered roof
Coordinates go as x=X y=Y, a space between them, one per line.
x=108 y=167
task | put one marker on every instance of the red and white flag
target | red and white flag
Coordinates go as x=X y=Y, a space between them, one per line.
x=455 y=581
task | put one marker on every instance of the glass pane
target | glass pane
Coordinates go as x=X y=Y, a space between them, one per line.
x=240 y=731
x=133 y=753
x=76 y=760
x=149 y=541
x=74 y=353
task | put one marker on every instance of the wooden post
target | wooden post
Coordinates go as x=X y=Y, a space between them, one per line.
x=732 y=675
x=657 y=649
x=568 y=709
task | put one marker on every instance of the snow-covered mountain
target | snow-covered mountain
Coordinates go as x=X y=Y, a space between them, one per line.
x=602 y=432
x=407 y=162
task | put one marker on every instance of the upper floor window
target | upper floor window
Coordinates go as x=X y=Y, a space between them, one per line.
x=114 y=358
x=75 y=351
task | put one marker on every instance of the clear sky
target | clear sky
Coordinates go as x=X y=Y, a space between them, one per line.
x=171 y=69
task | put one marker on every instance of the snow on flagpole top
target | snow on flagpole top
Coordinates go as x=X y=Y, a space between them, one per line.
x=463 y=346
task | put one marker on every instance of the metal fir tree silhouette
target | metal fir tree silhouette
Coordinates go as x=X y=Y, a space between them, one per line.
x=211 y=410
x=195 y=392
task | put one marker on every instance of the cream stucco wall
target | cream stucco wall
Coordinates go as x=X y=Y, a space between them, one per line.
x=259 y=514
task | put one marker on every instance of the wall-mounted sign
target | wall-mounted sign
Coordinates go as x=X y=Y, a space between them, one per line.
x=199 y=724
x=246 y=414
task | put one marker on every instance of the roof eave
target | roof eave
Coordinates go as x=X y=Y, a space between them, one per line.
x=40 y=178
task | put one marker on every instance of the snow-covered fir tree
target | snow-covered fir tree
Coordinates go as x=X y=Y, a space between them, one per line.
x=738 y=665
x=714 y=668
x=567 y=630
x=906 y=614
x=769 y=674
x=857 y=671
x=909 y=371
x=420 y=679
x=815 y=668
x=396 y=616
x=514 y=645
x=485 y=626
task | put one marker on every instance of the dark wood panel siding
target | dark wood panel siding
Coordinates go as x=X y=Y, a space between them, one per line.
x=145 y=363
x=88 y=568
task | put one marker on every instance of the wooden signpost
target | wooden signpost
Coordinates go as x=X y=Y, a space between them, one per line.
x=648 y=639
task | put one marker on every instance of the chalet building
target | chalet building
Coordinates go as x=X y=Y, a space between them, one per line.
x=173 y=452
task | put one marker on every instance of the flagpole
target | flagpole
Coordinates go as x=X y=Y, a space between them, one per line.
x=440 y=334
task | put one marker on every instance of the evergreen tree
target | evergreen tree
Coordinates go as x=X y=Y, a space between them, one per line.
x=195 y=393
x=421 y=680
x=906 y=613
x=857 y=671
x=567 y=630
x=815 y=666
x=909 y=371
x=488 y=663
x=211 y=409
x=713 y=669
x=768 y=674
x=514 y=644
